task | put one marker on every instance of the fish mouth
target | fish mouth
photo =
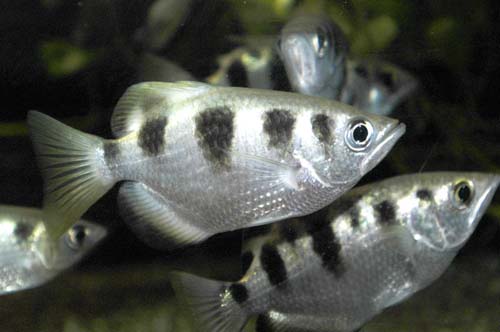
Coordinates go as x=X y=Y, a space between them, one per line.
x=301 y=58
x=395 y=131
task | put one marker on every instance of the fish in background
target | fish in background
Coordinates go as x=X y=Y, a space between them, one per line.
x=336 y=269
x=255 y=64
x=200 y=159
x=151 y=67
x=163 y=19
x=315 y=55
x=29 y=258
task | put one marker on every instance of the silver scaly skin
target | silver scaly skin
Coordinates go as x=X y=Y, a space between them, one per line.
x=316 y=58
x=336 y=269
x=200 y=159
x=28 y=258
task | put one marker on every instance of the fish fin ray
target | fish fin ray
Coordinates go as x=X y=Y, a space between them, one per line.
x=212 y=311
x=154 y=220
x=141 y=98
x=69 y=162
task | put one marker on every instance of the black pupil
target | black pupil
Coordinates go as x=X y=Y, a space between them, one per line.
x=360 y=133
x=463 y=193
x=79 y=235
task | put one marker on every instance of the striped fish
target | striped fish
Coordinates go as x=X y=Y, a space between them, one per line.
x=200 y=160
x=337 y=268
x=29 y=258
x=316 y=58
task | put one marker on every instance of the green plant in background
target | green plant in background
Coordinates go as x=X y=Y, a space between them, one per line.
x=62 y=59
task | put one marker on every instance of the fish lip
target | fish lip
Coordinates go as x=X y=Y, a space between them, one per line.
x=394 y=134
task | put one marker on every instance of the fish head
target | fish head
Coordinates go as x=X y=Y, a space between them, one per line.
x=76 y=242
x=313 y=51
x=378 y=87
x=445 y=207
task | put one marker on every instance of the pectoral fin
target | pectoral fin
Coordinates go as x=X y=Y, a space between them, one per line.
x=158 y=222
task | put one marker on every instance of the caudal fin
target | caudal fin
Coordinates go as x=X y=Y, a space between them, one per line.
x=211 y=305
x=69 y=161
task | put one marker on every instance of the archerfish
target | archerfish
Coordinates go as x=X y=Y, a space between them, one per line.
x=256 y=65
x=316 y=57
x=200 y=160
x=29 y=257
x=339 y=267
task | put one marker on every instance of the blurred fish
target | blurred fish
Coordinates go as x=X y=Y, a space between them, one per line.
x=376 y=86
x=339 y=267
x=154 y=68
x=202 y=159
x=314 y=52
x=163 y=19
x=28 y=258
x=254 y=65
x=315 y=55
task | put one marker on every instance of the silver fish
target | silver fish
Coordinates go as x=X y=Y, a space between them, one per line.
x=163 y=19
x=315 y=55
x=337 y=268
x=29 y=258
x=201 y=159
x=154 y=68
x=254 y=65
x=376 y=86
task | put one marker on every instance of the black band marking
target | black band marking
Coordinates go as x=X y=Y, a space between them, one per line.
x=361 y=71
x=23 y=230
x=288 y=231
x=386 y=78
x=152 y=136
x=263 y=324
x=324 y=242
x=321 y=126
x=386 y=212
x=238 y=292
x=215 y=132
x=246 y=261
x=273 y=264
x=278 y=125
x=237 y=74
x=111 y=152
x=424 y=194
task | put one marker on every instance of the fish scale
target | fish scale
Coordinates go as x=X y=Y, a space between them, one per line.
x=201 y=160
x=319 y=273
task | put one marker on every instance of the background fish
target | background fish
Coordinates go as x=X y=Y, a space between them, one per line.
x=203 y=159
x=314 y=52
x=334 y=270
x=315 y=55
x=28 y=258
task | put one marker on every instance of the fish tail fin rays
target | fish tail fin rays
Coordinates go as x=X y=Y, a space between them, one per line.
x=147 y=96
x=156 y=221
x=206 y=299
x=69 y=161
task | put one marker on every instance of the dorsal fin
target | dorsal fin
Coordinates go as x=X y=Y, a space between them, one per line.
x=143 y=97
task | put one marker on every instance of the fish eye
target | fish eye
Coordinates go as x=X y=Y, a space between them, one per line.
x=462 y=193
x=320 y=42
x=76 y=237
x=359 y=135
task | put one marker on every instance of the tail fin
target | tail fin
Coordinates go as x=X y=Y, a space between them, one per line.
x=208 y=302
x=69 y=162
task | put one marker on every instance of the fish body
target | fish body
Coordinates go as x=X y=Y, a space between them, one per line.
x=316 y=57
x=29 y=258
x=254 y=65
x=164 y=17
x=200 y=159
x=339 y=267
x=376 y=86
x=314 y=52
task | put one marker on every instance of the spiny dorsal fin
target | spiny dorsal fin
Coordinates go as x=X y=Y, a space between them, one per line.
x=143 y=97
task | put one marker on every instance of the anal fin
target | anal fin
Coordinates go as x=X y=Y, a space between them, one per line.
x=155 y=220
